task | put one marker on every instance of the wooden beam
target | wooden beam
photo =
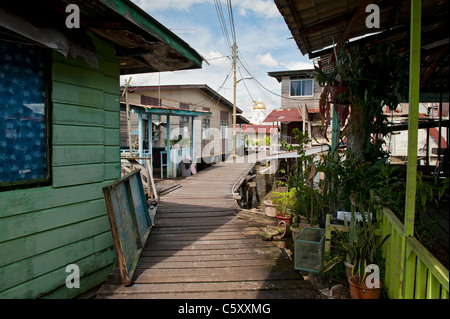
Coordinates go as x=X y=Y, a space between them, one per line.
x=437 y=61
x=175 y=112
x=356 y=19
x=294 y=14
x=336 y=21
x=169 y=166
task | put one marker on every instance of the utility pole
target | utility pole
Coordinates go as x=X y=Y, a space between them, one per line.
x=234 y=47
x=234 y=99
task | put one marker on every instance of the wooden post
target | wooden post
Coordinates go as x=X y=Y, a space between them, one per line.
x=413 y=117
x=125 y=92
x=140 y=136
x=413 y=128
x=169 y=166
x=150 y=136
x=440 y=126
x=335 y=132
x=192 y=139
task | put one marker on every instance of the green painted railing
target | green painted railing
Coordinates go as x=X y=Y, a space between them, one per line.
x=411 y=272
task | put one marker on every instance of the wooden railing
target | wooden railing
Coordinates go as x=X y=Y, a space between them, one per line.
x=411 y=272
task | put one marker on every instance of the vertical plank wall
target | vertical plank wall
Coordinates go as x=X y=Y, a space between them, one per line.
x=44 y=229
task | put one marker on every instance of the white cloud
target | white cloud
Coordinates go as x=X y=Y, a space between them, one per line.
x=262 y=8
x=218 y=59
x=158 y=5
x=266 y=60
x=298 y=65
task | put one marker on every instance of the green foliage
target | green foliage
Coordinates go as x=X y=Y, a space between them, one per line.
x=335 y=273
x=284 y=201
x=373 y=78
x=357 y=245
x=425 y=230
x=310 y=200
x=427 y=193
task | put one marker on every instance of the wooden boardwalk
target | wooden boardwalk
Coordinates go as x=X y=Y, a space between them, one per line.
x=198 y=248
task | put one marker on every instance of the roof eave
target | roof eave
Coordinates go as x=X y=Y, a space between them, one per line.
x=186 y=57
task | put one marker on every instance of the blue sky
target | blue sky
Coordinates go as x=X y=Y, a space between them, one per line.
x=263 y=39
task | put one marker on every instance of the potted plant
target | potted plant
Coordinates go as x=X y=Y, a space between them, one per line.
x=283 y=202
x=270 y=208
x=356 y=246
x=335 y=88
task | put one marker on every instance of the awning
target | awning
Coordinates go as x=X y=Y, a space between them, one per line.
x=164 y=110
x=254 y=128
x=284 y=115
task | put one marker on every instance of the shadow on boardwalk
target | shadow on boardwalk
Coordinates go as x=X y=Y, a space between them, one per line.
x=198 y=248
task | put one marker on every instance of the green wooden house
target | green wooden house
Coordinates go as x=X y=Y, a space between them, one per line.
x=59 y=134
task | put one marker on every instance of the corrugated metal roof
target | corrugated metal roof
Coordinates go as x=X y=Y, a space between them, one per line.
x=255 y=128
x=317 y=25
x=204 y=87
x=284 y=115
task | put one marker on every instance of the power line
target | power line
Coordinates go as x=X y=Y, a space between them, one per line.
x=230 y=15
x=222 y=24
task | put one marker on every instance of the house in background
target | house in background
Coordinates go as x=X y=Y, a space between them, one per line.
x=208 y=121
x=60 y=141
x=432 y=140
x=299 y=105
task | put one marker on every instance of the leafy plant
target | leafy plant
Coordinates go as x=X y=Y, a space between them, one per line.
x=375 y=77
x=357 y=245
x=283 y=201
x=334 y=274
x=427 y=193
x=310 y=200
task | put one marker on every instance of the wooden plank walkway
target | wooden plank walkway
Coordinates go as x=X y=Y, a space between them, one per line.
x=198 y=248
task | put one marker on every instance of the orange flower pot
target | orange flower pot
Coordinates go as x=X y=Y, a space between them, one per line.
x=358 y=291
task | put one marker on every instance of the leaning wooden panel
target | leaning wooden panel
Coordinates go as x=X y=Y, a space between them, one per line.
x=129 y=220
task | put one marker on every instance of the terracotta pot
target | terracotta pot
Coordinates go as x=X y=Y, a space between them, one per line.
x=303 y=219
x=284 y=218
x=287 y=228
x=296 y=229
x=361 y=291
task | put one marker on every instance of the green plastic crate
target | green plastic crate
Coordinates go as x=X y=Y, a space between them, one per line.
x=309 y=249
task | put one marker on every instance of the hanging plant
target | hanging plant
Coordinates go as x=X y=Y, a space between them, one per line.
x=363 y=80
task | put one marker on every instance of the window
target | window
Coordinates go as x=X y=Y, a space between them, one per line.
x=156 y=119
x=301 y=86
x=205 y=129
x=224 y=129
x=184 y=125
x=152 y=101
x=24 y=136
x=184 y=106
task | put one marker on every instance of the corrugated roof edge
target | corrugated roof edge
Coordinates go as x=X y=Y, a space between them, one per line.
x=204 y=87
x=278 y=74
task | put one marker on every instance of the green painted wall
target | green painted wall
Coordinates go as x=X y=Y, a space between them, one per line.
x=44 y=229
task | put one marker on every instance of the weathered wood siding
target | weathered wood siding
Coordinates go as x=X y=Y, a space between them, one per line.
x=198 y=100
x=44 y=229
x=297 y=101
